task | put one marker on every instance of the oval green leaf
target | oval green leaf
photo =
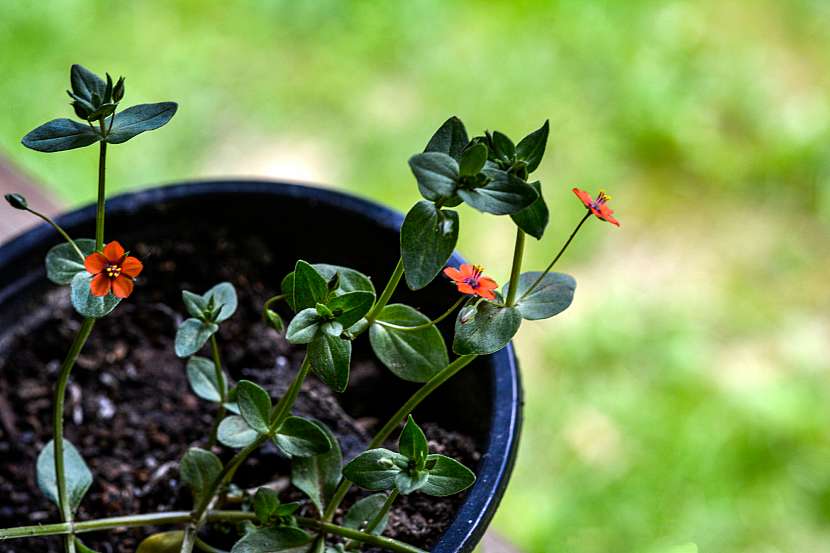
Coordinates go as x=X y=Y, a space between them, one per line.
x=428 y=237
x=413 y=355
x=330 y=357
x=59 y=135
x=77 y=474
x=318 y=475
x=488 y=331
x=63 y=261
x=137 y=119
x=299 y=437
x=201 y=374
x=234 y=432
x=446 y=476
x=85 y=302
x=254 y=405
x=436 y=174
x=534 y=218
x=554 y=294
x=191 y=335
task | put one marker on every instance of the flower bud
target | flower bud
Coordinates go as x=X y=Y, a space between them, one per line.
x=118 y=90
x=17 y=201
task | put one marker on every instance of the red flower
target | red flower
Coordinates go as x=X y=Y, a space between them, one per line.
x=469 y=281
x=599 y=206
x=112 y=270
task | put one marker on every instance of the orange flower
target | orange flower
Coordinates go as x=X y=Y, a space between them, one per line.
x=599 y=206
x=112 y=270
x=469 y=281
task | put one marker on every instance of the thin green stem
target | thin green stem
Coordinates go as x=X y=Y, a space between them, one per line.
x=428 y=324
x=57 y=422
x=394 y=421
x=379 y=541
x=112 y=523
x=516 y=270
x=386 y=295
x=60 y=231
x=220 y=382
x=283 y=407
x=273 y=299
x=206 y=547
x=372 y=524
x=555 y=259
x=102 y=192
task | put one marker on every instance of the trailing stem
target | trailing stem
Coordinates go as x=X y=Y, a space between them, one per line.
x=220 y=382
x=516 y=270
x=420 y=394
x=433 y=322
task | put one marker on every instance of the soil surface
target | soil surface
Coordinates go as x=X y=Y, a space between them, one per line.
x=132 y=415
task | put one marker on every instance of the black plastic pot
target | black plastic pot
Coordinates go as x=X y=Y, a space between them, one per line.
x=484 y=400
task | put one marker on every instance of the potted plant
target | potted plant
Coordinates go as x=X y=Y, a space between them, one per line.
x=368 y=410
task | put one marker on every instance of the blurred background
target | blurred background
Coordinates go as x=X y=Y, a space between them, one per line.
x=683 y=402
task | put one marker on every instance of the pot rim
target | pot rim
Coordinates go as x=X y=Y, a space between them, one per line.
x=499 y=455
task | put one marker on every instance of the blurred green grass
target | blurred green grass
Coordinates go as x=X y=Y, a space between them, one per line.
x=684 y=397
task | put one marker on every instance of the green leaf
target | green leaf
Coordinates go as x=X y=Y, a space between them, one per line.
x=413 y=443
x=436 y=174
x=534 y=218
x=63 y=261
x=223 y=294
x=413 y=355
x=199 y=469
x=375 y=469
x=266 y=502
x=472 y=160
x=446 y=476
x=531 y=148
x=330 y=357
x=274 y=320
x=408 y=481
x=59 y=135
x=85 y=302
x=162 y=542
x=450 y=138
x=351 y=307
x=77 y=474
x=552 y=296
x=318 y=475
x=503 y=147
x=201 y=374
x=428 y=237
x=489 y=331
x=191 y=335
x=195 y=304
x=299 y=437
x=502 y=195
x=271 y=540
x=85 y=83
x=304 y=326
x=254 y=405
x=364 y=511
x=309 y=286
x=138 y=119
x=234 y=432
x=349 y=279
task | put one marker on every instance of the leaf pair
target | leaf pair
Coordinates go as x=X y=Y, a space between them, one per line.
x=295 y=436
x=410 y=469
x=207 y=311
x=95 y=100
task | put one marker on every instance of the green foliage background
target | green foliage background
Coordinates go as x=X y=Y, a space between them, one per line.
x=684 y=398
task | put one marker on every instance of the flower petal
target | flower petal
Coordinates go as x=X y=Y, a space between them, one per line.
x=114 y=252
x=467 y=270
x=486 y=294
x=584 y=196
x=131 y=266
x=606 y=214
x=122 y=287
x=95 y=263
x=453 y=273
x=487 y=283
x=100 y=285
x=465 y=288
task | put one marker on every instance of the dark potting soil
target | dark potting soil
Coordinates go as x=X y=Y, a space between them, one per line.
x=132 y=415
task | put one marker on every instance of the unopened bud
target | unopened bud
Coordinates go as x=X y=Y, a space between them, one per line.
x=17 y=201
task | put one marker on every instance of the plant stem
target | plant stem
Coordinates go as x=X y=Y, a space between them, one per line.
x=433 y=322
x=102 y=169
x=57 y=422
x=394 y=421
x=206 y=547
x=60 y=231
x=271 y=300
x=379 y=541
x=516 y=270
x=558 y=255
x=372 y=524
x=130 y=521
x=220 y=382
x=387 y=293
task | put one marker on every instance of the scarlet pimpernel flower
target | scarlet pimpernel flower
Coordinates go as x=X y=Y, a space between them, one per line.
x=470 y=281
x=598 y=207
x=112 y=270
